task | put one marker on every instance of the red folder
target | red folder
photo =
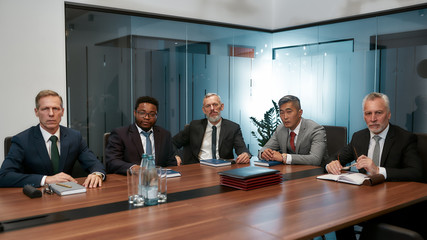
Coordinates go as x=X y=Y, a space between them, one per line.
x=250 y=178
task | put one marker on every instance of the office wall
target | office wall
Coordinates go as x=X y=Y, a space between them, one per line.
x=288 y=13
x=32 y=45
x=241 y=12
x=32 y=58
x=266 y=14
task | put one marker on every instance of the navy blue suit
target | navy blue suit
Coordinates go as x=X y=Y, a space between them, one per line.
x=28 y=160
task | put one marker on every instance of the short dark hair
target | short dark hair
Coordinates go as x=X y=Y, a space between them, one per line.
x=147 y=99
x=290 y=98
x=45 y=93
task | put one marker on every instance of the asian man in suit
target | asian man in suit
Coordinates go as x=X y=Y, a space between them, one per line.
x=46 y=153
x=297 y=140
x=381 y=148
x=127 y=144
x=212 y=137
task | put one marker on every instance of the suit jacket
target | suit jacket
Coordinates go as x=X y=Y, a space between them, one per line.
x=124 y=149
x=399 y=157
x=28 y=159
x=191 y=139
x=310 y=147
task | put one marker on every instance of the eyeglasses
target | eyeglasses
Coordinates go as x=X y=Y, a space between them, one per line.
x=144 y=114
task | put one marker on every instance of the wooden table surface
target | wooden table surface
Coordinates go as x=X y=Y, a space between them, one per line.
x=301 y=207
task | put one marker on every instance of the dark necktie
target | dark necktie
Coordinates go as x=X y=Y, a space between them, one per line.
x=214 y=142
x=54 y=153
x=376 y=154
x=148 y=146
x=292 y=141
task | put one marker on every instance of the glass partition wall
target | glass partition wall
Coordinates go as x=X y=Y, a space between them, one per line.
x=113 y=58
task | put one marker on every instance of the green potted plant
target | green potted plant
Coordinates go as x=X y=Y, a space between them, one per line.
x=267 y=126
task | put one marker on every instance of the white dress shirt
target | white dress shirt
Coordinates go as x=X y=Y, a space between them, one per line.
x=46 y=135
x=206 y=148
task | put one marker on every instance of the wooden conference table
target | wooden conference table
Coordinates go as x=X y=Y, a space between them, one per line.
x=199 y=208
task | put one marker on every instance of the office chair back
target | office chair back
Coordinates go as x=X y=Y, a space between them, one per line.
x=7 y=143
x=336 y=138
x=104 y=145
x=422 y=151
x=384 y=231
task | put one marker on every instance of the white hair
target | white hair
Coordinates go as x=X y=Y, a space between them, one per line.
x=374 y=95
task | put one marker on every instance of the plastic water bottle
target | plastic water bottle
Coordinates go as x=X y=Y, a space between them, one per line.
x=143 y=160
x=151 y=181
x=141 y=186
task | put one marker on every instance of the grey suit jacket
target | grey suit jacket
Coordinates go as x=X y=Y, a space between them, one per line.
x=192 y=136
x=310 y=146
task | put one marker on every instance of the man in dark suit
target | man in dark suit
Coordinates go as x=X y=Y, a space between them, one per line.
x=382 y=148
x=127 y=144
x=397 y=157
x=297 y=140
x=212 y=137
x=46 y=153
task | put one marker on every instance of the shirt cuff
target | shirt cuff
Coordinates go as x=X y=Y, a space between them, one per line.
x=383 y=172
x=43 y=181
x=288 y=159
x=100 y=173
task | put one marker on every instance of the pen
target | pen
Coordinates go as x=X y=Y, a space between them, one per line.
x=355 y=152
x=348 y=167
x=352 y=165
x=63 y=185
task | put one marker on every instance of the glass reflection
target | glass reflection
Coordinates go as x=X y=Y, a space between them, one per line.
x=114 y=58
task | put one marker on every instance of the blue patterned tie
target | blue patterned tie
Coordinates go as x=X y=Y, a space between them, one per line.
x=148 y=146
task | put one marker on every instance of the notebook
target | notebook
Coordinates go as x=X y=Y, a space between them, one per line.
x=172 y=173
x=215 y=162
x=352 y=178
x=355 y=178
x=67 y=188
x=266 y=163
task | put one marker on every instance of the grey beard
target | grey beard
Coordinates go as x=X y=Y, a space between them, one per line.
x=214 y=119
